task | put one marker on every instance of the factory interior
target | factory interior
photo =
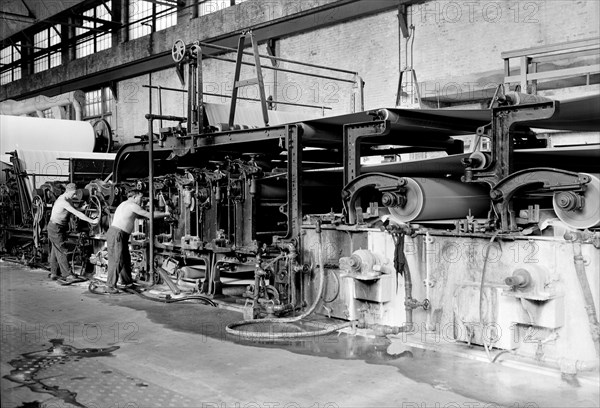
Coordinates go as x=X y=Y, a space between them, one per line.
x=337 y=203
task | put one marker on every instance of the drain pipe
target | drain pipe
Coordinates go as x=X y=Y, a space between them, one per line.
x=588 y=298
x=233 y=328
x=401 y=264
x=429 y=241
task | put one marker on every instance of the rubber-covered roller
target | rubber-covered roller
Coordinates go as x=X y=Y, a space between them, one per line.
x=427 y=199
x=579 y=210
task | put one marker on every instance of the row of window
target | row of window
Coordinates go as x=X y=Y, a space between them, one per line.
x=144 y=17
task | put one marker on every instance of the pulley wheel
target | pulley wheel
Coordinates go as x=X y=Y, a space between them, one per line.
x=195 y=50
x=580 y=218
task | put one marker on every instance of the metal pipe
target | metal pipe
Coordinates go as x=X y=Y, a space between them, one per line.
x=165 y=117
x=41 y=103
x=408 y=306
x=165 y=276
x=232 y=328
x=160 y=112
x=150 y=181
x=428 y=246
x=242 y=98
x=286 y=70
x=588 y=297
x=306 y=64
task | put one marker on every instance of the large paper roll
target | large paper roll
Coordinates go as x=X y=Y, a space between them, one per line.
x=27 y=133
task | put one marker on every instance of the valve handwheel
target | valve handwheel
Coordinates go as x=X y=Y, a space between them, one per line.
x=178 y=51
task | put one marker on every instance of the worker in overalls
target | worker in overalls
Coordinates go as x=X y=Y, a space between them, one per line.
x=57 y=233
x=117 y=239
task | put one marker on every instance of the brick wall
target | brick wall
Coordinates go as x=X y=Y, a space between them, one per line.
x=457 y=44
x=457 y=47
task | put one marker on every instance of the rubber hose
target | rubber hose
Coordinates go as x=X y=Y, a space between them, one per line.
x=93 y=285
x=283 y=335
x=193 y=297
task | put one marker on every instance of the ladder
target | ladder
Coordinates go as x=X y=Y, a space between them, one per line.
x=237 y=84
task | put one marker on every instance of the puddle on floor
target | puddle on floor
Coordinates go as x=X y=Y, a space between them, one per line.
x=30 y=366
x=492 y=383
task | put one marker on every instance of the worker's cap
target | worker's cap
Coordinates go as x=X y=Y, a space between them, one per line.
x=71 y=187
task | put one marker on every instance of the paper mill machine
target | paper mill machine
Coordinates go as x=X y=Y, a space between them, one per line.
x=497 y=246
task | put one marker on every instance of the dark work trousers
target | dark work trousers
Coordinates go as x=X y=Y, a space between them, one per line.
x=57 y=235
x=119 y=259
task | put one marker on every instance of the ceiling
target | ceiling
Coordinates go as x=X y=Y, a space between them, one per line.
x=18 y=15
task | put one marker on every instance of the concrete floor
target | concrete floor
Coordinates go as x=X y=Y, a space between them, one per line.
x=178 y=355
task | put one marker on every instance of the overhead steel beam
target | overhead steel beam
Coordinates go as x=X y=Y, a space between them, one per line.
x=167 y=3
x=109 y=23
x=17 y=17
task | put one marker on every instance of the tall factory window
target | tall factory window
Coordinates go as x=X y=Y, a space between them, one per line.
x=42 y=41
x=210 y=6
x=10 y=69
x=96 y=40
x=99 y=104
x=146 y=17
x=48 y=113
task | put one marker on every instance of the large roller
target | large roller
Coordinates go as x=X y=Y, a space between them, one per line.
x=27 y=133
x=427 y=199
x=579 y=211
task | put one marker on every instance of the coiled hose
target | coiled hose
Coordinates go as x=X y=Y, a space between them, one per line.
x=231 y=328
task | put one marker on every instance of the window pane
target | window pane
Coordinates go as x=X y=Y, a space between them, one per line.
x=166 y=16
x=40 y=43
x=210 y=6
x=103 y=41
x=10 y=55
x=54 y=37
x=108 y=100
x=93 y=103
x=140 y=13
x=96 y=41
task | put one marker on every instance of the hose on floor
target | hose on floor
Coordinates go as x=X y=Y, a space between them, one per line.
x=94 y=288
x=233 y=328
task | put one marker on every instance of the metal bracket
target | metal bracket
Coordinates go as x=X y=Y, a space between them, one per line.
x=350 y=193
x=353 y=133
x=501 y=163
x=541 y=178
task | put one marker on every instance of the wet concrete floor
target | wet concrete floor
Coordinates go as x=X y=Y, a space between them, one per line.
x=180 y=355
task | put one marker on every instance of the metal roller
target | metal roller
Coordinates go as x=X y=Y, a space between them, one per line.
x=577 y=210
x=519 y=98
x=427 y=199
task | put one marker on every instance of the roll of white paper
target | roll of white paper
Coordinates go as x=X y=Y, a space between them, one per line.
x=27 y=133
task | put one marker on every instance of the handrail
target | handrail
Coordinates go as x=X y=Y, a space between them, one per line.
x=529 y=58
x=306 y=64
x=546 y=49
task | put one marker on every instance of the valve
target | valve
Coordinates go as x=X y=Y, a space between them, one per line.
x=178 y=50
